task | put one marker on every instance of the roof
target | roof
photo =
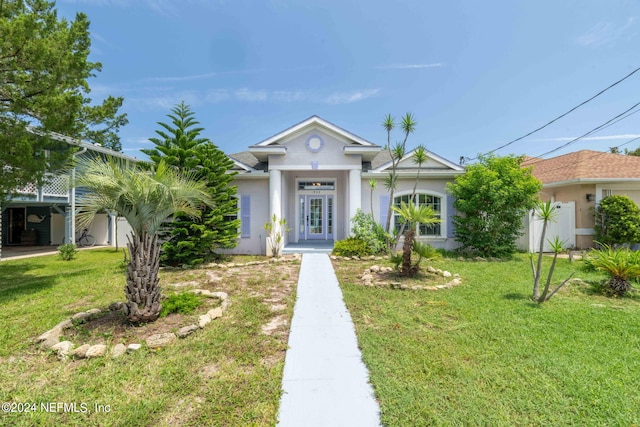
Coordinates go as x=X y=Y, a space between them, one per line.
x=316 y=120
x=79 y=143
x=585 y=165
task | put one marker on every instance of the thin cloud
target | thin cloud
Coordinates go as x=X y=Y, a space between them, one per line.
x=217 y=96
x=349 y=97
x=605 y=34
x=409 y=66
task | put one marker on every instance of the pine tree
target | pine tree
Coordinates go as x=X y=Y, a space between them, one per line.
x=179 y=144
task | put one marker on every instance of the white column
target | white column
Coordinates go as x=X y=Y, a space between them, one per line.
x=275 y=196
x=355 y=195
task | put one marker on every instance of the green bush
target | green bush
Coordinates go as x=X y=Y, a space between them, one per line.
x=617 y=221
x=621 y=265
x=183 y=303
x=67 y=251
x=351 y=246
x=367 y=229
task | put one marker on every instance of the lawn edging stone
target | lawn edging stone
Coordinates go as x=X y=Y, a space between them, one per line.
x=50 y=340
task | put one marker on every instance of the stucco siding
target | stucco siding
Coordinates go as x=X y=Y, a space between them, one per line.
x=330 y=154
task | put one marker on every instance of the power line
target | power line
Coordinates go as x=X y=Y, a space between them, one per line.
x=538 y=160
x=594 y=130
x=562 y=115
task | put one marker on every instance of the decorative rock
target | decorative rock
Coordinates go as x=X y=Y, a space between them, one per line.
x=81 y=351
x=52 y=336
x=185 y=284
x=213 y=277
x=118 y=350
x=386 y=269
x=430 y=269
x=367 y=278
x=115 y=306
x=446 y=274
x=80 y=317
x=187 y=330
x=204 y=320
x=63 y=348
x=378 y=258
x=133 y=347
x=94 y=311
x=97 y=350
x=455 y=282
x=333 y=257
x=160 y=340
x=215 y=313
x=374 y=268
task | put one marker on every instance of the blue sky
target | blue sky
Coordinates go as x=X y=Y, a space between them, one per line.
x=474 y=74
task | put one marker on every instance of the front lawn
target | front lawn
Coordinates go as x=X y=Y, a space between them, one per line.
x=228 y=373
x=482 y=353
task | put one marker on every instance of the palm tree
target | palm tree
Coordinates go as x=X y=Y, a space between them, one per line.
x=145 y=198
x=413 y=215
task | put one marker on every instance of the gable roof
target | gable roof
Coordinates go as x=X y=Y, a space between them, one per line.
x=310 y=122
x=382 y=162
x=585 y=165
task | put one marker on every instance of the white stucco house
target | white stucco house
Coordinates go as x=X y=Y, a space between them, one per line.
x=316 y=176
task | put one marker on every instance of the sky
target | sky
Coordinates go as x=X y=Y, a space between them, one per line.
x=475 y=75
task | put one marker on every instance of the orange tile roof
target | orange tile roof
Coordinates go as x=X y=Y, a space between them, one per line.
x=585 y=165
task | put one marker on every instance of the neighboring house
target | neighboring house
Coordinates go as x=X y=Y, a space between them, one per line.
x=316 y=176
x=582 y=179
x=46 y=215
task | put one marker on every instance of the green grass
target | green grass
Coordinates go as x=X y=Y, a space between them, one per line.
x=483 y=354
x=228 y=374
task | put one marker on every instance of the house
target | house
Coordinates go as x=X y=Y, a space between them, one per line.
x=316 y=176
x=45 y=215
x=582 y=179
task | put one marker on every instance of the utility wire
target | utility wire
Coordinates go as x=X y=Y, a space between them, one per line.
x=562 y=115
x=592 y=131
x=538 y=160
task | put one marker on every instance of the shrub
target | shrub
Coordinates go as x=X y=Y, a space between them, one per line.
x=617 y=221
x=621 y=265
x=183 y=303
x=491 y=198
x=367 y=229
x=67 y=251
x=351 y=246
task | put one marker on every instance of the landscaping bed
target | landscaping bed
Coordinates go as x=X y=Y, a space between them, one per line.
x=228 y=373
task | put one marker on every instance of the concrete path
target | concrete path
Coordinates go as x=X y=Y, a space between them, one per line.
x=325 y=382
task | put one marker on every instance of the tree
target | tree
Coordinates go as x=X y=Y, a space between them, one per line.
x=617 y=221
x=491 y=198
x=396 y=152
x=412 y=216
x=145 y=198
x=193 y=241
x=546 y=212
x=43 y=84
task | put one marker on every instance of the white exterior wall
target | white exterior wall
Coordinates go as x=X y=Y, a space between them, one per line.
x=330 y=157
x=436 y=187
x=258 y=189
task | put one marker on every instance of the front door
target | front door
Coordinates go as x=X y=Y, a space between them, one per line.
x=316 y=217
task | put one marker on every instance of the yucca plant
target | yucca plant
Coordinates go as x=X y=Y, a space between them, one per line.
x=621 y=265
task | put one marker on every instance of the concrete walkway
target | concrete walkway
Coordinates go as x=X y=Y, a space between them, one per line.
x=325 y=382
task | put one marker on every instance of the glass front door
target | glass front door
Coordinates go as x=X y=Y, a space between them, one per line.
x=316 y=217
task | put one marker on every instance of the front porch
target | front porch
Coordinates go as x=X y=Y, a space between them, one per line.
x=309 y=246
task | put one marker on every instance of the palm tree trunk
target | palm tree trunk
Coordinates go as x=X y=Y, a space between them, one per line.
x=407 y=247
x=142 y=290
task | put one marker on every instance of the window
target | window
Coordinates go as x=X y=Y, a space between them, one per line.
x=435 y=202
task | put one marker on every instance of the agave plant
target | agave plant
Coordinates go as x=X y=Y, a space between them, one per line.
x=621 y=265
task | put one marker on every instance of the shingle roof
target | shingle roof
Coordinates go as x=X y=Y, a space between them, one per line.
x=584 y=165
x=248 y=159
